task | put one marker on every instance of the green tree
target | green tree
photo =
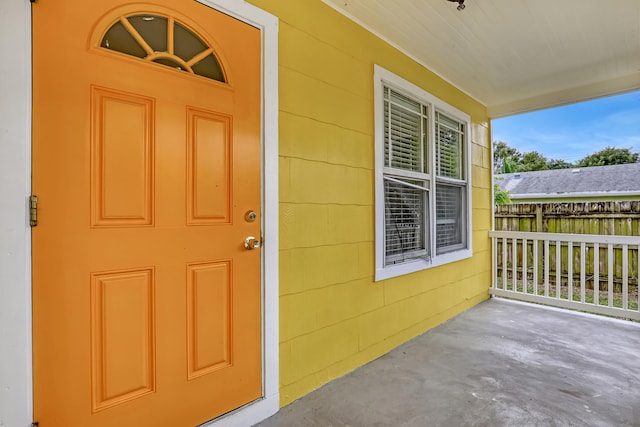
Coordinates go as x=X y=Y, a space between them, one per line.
x=558 y=164
x=532 y=161
x=500 y=196
x=609 y=156
x=505 y=158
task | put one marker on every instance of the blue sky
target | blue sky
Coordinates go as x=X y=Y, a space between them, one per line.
x=574 y=131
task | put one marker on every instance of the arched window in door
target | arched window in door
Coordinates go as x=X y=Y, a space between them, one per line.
x=166 y=41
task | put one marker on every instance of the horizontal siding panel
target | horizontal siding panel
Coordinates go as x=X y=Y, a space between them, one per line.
x=306 y=138
x=317 y=59
x=324 y=183
x=308 y=97
x=480 y=178
x=309 y=225
x=319 y=308
x=317 y=350
x=303 y=269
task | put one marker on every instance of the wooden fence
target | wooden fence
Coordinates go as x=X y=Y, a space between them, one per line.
x=602 y=218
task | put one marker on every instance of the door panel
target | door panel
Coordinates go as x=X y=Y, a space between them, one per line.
x=122 y=153
x=146 y=305
x=123 y=338
x=208 y=298
x=208 y=167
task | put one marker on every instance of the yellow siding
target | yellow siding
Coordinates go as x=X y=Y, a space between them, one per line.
x=333 y=317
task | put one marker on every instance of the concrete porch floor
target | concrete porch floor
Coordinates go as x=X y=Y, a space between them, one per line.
x=501 y=363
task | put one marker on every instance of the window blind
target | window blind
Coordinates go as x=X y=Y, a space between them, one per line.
x=405 y=220
x=449 y=138
x=449 y=211
x=404 y=146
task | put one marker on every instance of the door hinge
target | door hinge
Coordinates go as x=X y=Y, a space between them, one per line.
x=35 y=424
x=33 y=211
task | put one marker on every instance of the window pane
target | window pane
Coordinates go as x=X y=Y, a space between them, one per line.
x=120 y=40
x=450 y=209
x=405 y=221
x=449 y=122
x=187 y=44
x=449 y=143
x=405 y=127
x=153 y=30
x=169 y=63
x=209 y=67
x=405 y=102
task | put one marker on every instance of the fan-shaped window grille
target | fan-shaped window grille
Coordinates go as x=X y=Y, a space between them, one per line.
x=163 y=40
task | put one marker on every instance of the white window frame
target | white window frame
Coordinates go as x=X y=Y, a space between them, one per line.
x=384 y=78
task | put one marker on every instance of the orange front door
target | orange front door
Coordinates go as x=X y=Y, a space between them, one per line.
x=146 y=162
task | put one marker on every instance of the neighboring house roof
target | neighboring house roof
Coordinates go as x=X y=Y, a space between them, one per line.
x=615 y=180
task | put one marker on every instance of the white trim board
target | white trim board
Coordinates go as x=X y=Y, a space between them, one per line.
x=16 y=392
x=15 y=234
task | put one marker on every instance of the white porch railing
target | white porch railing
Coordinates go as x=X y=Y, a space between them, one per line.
x=588 y=272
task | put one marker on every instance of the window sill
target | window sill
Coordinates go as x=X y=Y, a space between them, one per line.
x=392 y=271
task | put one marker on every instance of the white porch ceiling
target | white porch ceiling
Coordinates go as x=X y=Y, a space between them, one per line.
x=514 y=55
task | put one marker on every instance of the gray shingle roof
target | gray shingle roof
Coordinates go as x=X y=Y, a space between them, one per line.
x=597 y=179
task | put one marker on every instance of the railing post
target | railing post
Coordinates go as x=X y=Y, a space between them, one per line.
x=539 y=229
x=525 y=266
x=596 y=273
x=610 y=275
x=494 y=263
x=583 y=271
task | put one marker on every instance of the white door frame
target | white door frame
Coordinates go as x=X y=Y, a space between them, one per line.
x=16 y=391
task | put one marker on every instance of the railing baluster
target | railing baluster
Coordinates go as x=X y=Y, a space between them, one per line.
x=610 y=275
x=558 y=268
x=570 y=271
x=524 y=265
x=596 y=273
x=625 y=277
x=583 y=271
x=535 y=266
x=504 y=263
x=494 y=263
x=514 y=264
x=545 y=258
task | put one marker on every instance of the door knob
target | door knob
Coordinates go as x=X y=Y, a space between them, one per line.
x=251 y=243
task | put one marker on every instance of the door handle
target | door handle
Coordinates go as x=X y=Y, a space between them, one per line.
x=251 y=243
